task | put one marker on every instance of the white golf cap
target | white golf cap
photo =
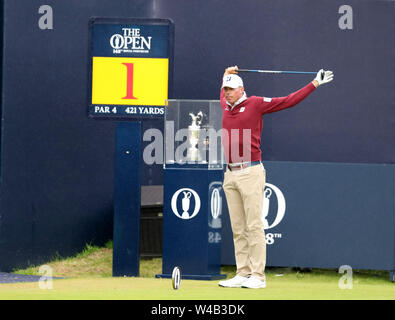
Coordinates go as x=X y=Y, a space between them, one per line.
x=232 y=81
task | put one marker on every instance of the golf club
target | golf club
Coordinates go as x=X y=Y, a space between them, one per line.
x=275 y=71
x=280 y=72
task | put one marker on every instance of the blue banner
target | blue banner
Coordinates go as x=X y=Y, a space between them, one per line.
x=130 y=40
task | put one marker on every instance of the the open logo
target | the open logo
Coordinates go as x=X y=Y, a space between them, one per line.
x=281 y=206
x=185 y=197
x=216 y=203
x=215 y=198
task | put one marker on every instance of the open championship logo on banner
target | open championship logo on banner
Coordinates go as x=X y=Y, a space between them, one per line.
x=130 y=40
x=271 y=193
x=215 y=203
x=185 y=196
x=214 y=219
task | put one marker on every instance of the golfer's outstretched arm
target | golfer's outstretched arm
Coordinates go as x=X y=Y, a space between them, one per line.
x=269 y=105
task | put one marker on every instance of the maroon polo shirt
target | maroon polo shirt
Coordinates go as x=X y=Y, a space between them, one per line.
x=248 y=115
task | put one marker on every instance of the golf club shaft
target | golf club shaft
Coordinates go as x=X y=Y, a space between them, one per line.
x=274 y=71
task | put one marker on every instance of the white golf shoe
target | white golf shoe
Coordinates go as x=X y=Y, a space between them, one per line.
x=235 y=282
x=254 y=283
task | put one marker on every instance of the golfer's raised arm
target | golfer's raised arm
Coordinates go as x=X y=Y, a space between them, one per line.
x=269 y=105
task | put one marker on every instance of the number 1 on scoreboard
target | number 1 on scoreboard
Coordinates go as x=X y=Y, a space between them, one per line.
x=129 y=81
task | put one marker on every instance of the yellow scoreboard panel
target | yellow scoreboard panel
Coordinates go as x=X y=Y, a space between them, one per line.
x=130 y=81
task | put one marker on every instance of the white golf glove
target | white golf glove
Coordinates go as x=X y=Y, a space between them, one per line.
x=324 y=76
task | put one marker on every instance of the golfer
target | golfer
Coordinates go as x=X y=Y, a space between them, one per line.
x=245 y=175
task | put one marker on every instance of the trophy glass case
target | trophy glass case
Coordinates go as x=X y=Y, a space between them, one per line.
x=193 y=136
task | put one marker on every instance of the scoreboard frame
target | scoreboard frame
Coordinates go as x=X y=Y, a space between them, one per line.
x=161 y=32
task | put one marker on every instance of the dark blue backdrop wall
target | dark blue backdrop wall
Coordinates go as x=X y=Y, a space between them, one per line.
x=57 y=165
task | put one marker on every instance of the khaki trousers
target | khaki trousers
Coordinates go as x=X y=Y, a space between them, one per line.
x=244 y=194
